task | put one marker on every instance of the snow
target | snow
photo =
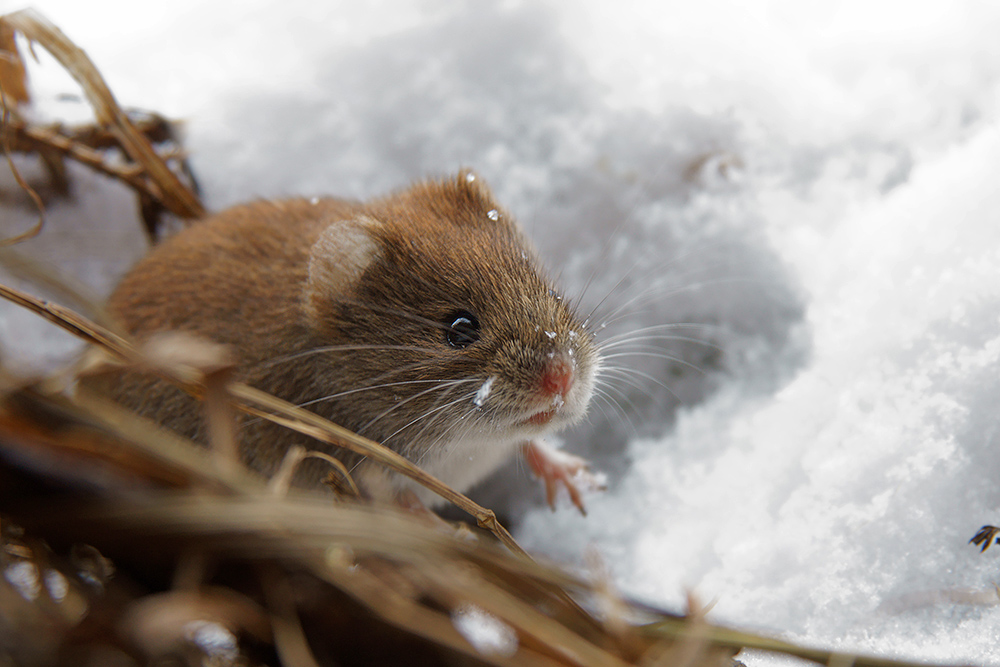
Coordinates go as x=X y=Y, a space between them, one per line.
x=23 y=576
x=484 y=391
x=808 y=187
x=487 y=633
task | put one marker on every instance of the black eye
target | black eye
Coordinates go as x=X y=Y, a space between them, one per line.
x=463 y=329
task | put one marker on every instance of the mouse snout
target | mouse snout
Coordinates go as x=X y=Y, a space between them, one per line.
x=557 y=375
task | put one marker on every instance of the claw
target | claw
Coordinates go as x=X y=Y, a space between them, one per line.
x=555 y=467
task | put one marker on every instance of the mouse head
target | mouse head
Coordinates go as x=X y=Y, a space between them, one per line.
x=441 y=299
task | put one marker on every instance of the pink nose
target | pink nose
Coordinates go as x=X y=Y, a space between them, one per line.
x=557 y=376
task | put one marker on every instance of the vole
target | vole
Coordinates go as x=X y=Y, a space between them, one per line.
x=421 y=320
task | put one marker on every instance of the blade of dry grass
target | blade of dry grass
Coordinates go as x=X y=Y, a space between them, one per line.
x=289 y=638
x=5 y=120
x=52 y=282
x=387 y=603
x=166 y=187
x=460 y=584
x=260 y=403
x=13 y=75
x=97 y=432
x=70 y=321
x=31 y=138
x=719 y=636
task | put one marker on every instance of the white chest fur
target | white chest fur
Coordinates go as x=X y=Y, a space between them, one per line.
x=462 y=463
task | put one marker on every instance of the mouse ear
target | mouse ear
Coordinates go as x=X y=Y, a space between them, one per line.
x=337 y=261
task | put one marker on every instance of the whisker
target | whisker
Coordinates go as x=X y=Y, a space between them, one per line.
x=625 y=375
x=423 y=416
x=665 y=291
x=444 y=384
x=656 y=355
x=441 y=417
x=691 y=252
x=600 y=399
x=330 y=397
x=340 y=394
x=641 y=340
x=600 y=303
x=610 y=387
x=619 y=412
x=613 y=236
x=448 y=434
x=660 y=292
x=597 y=265
x=663 y=327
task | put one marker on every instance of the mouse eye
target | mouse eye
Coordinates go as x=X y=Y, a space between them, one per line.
x=463 y=329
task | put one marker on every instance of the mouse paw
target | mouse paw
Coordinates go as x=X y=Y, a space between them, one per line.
x=556 y=467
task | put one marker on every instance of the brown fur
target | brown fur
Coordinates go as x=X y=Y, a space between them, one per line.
x=263 y=279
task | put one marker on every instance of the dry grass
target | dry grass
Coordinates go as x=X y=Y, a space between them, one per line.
x=123 y=544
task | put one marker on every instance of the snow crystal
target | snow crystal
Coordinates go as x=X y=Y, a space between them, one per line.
x=487 y=633
x=56 y=585
x=213 y=639
x=23 y=576
x=484 y=391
